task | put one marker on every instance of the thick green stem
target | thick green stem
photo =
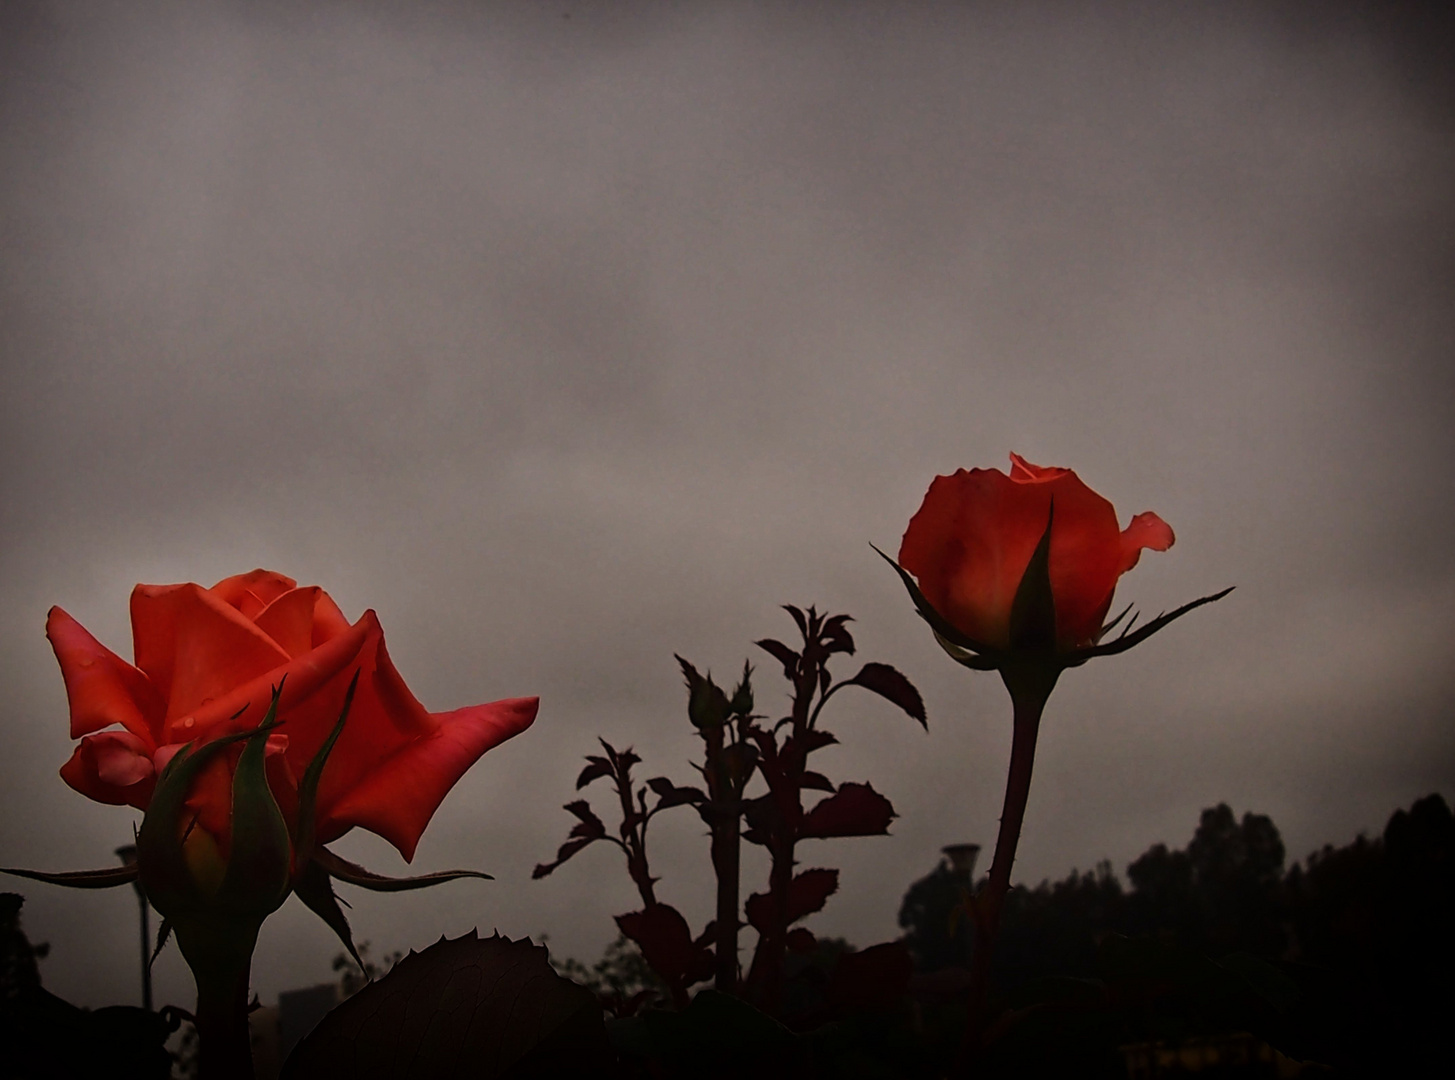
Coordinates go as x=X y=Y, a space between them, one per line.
x=1030 y=686
x=219 y=952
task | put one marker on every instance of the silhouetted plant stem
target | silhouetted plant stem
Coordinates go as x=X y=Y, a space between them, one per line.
x=634 y=841
x=219 y=952
x=1030 y=686
x=785 y=783
x=725 y=810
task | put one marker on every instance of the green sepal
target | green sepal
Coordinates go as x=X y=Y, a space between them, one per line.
x=315 y=888
x=355 y=874
x=308 y=787
x=1033 y=612
x=1129 y=638
x=938 y=622
x=163 y=933
x=164 y=873
x=259 y=867
x=105 y=878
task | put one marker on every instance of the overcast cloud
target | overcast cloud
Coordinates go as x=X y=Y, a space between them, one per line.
x=569 y=336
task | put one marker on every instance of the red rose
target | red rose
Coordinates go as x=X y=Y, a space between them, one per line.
x=206 y=662
x=973 y=537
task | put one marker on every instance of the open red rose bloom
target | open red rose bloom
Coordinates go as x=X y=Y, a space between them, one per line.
x=205 y=656
x=970 y=543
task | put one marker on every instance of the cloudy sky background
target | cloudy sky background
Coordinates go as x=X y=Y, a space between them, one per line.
x=569 y=336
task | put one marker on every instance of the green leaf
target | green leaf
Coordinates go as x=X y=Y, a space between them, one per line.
x=106 y=878
x=259 y=865
x=355 y=874
x=308 y=787
x=938 y=622
x=1033 y=612
x=315 y=888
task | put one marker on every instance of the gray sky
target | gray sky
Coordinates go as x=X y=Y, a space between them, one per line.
x=569 y=336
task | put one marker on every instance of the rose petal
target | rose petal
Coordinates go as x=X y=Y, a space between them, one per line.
x=328 y=620
x=972 y=539
x=113 y=767
x=210 y=797
x=1145 y=531
x=102 y=688
x=196 y=647
x=288 y=620
x=301 y=679
x=250 y=593
x=399 y=797
x=1023 y=472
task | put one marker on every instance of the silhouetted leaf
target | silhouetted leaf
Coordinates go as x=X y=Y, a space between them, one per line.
x=783 y=654
x=839 y=639
x=798 y=618
x=355 y=874
x=590 y=825
x=891 y=685
x=667 y=945
x=482 y=1008
x=107 y=877
x=671 y=795
x=816 y=782
x=808 y=893
x=800 y=940
x=569 y=848
x=855 y=810
x=597 y=768
x=315 y=888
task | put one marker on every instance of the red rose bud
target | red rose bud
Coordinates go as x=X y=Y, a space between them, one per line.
x=1020 y=569
x=190 y=872
x=973 y=538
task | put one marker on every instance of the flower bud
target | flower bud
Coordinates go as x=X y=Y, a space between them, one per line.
x=186 y=871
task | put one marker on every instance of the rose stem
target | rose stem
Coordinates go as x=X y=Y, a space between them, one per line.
x=220 y=954
x=1029 y=689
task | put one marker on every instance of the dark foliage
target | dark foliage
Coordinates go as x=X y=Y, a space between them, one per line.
x=43 y=1036
x=1344 y=960
x=470 y=1006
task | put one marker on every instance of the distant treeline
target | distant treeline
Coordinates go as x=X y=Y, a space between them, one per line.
x=1366 y=931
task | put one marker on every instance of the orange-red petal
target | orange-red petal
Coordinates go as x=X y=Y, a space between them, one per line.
x=196 y=647
x=1146 y=530
x=973 y=537
x=250 y=593
x=114 y=767
x=288 y=620
x=401 y=794
x=102 y=688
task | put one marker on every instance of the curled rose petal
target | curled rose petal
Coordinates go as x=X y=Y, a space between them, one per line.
x=113 y=767
x=1144 y=531
x=103 y=689
x=397 y=799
